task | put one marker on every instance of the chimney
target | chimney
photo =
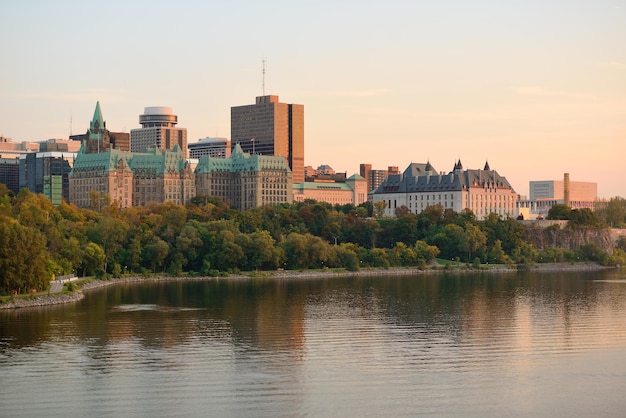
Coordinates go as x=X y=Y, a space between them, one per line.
x=566 y=189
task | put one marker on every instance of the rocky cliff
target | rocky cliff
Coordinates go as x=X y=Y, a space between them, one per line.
x=570 y=239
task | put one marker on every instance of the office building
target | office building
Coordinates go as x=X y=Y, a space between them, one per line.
x=352 y=190
x=374 y=178
x=245 y=180
x=420 y=186
x=214 y=147
x=270 y=127
x=10 y=173
x=47 y=173
x=546 y=193
x=10 y=149
x=158 y=130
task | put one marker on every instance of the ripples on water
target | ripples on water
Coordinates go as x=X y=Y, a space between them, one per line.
x=464 y=345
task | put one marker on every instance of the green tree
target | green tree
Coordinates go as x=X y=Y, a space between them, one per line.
x=155 y=254
x=559 y=212
x=93 y=259
x=23 y=257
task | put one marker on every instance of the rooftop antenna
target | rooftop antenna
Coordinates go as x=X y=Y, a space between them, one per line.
x=70 y=124
x=263 y=76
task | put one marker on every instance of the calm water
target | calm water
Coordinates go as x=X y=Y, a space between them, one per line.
x=453 y=345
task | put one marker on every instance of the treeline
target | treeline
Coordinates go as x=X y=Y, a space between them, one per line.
x=206 y=237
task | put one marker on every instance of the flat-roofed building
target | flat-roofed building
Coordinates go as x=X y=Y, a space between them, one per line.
x=544 y=194
x=270 y=127
x=352 y=190
x=10 y=173
x=214 y=147
x=47 y=173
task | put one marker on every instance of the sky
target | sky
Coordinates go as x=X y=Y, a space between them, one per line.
x=535 y=88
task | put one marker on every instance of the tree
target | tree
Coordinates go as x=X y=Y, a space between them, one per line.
x=155 y=253
x=93 y=259
x=23 y=258
x=424 y=251
x=379 y=209
x=559 y=212
x=475 y=239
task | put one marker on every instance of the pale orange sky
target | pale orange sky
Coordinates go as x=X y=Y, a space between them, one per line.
x=537 y=90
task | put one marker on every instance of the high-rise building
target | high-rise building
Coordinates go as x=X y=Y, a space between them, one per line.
x=158 y=130
x=270 y=127
x=374 y=178
x=214 y=147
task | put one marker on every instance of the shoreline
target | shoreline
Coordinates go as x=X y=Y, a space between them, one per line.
x=65 y=298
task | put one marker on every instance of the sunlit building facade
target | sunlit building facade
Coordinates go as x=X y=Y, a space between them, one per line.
x=420 y=186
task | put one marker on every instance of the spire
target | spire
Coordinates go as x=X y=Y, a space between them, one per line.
x=486 y=166
x=428 y=167
x=97 y=123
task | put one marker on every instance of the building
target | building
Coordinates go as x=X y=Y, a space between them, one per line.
x=162 y=176
x=131 y=179
x=10 y=173
x=352 y=190
x=158 y=130
x=99 y=139
x=547 y=193
x=214 y=147
x=245 y=180
x=99 y=179
x=42 y=167
x=323 y=173
x=374 y=178
x=47 y=173
x=270 y=127
x=420 y=186
x=59 y=145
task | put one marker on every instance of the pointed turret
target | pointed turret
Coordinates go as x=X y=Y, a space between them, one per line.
x=97 y=123
x=486 y=166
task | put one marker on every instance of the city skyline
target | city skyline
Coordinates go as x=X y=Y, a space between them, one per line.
x=537 y=90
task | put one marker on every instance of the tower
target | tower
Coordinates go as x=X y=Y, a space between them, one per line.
x=99 y=139
x=158 y=130
x=270 y=127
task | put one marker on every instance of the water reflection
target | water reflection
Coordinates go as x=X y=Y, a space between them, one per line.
x=330 y=346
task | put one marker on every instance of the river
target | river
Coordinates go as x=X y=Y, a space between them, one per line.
x=457 y=344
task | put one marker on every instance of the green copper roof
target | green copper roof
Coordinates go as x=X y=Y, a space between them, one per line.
x=355 y=177
x=163 y=161
x=103 y=161
x=156 y=160
x=97 y=125
x=241 y=161
x=311 y=185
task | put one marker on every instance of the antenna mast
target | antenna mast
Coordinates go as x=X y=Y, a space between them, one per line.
x=264 y=77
